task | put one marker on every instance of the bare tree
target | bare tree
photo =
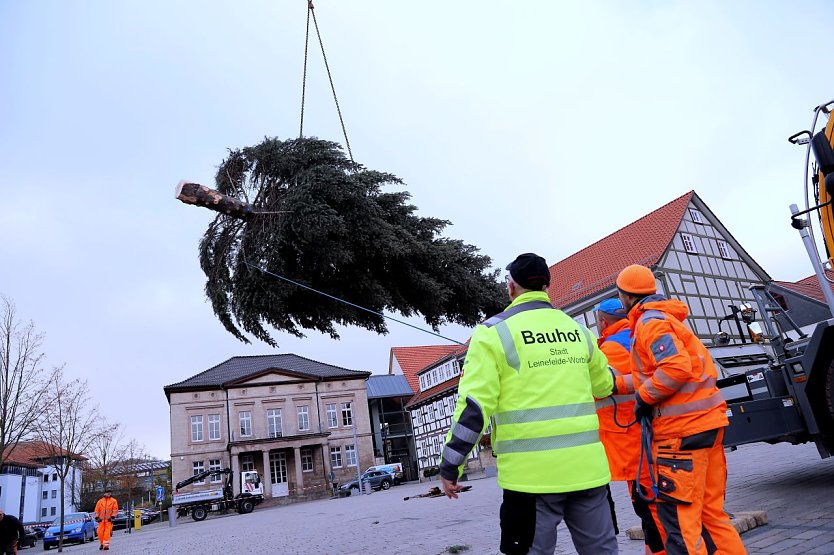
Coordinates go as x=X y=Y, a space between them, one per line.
x=104 y=458
x=68 y=428
x=23 y=381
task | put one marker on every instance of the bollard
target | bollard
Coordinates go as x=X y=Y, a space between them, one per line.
x=368 y=488
x=172 y=516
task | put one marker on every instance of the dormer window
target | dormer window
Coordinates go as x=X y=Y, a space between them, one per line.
x=696 y=216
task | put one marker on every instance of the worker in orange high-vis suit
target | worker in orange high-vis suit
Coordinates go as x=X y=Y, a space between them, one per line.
x=675 y=381
x=621 y=440
x=106 y=509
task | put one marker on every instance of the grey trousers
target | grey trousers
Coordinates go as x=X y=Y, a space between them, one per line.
x=587 y=516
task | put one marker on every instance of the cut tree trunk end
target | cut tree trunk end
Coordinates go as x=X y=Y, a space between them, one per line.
x=200 y=195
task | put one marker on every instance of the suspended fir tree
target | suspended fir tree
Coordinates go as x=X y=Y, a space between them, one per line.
x=300 y=208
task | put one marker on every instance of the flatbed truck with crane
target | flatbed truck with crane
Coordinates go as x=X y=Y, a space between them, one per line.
x=790 y=397
x=200 y=503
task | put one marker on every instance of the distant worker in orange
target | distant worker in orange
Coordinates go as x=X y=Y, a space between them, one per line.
x=106 y=509
x=621 y=441
x=675 y=382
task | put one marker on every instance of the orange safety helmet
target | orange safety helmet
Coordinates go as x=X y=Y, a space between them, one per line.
x=636 y=280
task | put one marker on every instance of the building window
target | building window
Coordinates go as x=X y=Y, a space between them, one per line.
x=197 y=467
x=303 y=418
x=214 y=427
x=197 y=428
x=247 y=463
x=689 y=243
x=306 y=460
x=696 y=216
x=336 y=457
x=55 y=477
x=214 y=465
x=46 y=477
x=245 y=423
x=54 y=493
x=350 y=455
x=724 y=250
x=332 y=420
x=273 y=420
x=44 y=495
x=43 y=512
x=52 y=511
x=347 y=414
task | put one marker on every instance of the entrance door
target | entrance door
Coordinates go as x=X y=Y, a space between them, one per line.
x=278 y=474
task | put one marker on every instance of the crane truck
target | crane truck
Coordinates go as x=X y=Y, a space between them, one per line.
x=790 y=397
x=200 y=503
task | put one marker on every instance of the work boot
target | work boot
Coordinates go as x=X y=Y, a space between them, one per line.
x=100 y=546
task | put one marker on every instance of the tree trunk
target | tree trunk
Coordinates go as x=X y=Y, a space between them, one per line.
x=200 y=195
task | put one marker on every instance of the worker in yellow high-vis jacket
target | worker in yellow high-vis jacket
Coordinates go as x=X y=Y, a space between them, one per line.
x=535 y=372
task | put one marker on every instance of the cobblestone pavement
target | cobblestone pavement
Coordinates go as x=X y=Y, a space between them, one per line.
x=791 y=483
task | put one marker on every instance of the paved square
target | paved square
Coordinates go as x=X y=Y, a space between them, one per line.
x=791 y=483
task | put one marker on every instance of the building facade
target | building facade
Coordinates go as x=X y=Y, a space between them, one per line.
x=694 y=258
x=301 y=424
x=432 y=410
x=30 y=487
x=393 y=436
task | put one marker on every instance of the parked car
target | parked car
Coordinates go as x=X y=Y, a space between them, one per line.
x=379 y=479
x=30 y=539
x=78 y=527
x=120 y=520
x=149 y=515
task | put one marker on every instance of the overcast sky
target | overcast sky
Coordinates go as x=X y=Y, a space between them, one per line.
x=534 y=126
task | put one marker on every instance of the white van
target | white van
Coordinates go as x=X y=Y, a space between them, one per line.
x=395 y=469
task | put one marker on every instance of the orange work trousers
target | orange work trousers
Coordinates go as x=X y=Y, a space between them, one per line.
x=104 y=529
x=653 y=535
x=691 y=482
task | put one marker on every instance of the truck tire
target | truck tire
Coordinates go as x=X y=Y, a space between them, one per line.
x=199 y=513
x=246 y=506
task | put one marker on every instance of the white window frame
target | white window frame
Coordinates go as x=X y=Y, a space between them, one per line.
x=306 y=460
x=247 y=463
x=724 y=250
x=44 y=495
x=332 y=416
x=43 y=512
x=196 y=468
x=303 y=412
x=245 y=420
x=273 y=415
x=214 y=464
x=347 y=414
x=52 y=511
x=696 y=216
x=336 y=457
x=196 y=428
x=689 y=243
x=214 y=426
x=350 y=455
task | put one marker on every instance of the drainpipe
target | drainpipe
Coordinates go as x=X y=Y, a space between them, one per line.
x=318 y=404
x=228 y=425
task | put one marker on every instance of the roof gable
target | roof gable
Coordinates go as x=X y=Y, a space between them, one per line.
x=35 y=454
x=809 y=286
x=595 y=267
x=413 y=359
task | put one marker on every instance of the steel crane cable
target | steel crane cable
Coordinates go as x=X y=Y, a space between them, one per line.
x=311 y=12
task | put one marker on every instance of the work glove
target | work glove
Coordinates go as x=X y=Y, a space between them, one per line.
x=641 y=408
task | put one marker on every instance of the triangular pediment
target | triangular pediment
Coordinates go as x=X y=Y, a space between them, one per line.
x=271 y=375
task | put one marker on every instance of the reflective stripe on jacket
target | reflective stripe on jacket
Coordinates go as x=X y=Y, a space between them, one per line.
x=535 y=372
x=106 y=508
x=673 y=370
x=622 y=445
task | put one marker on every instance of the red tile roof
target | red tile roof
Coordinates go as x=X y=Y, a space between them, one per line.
x=810 y=286
x=33 y=453
x=414 y=359
x=440 y=388
x=595 y=267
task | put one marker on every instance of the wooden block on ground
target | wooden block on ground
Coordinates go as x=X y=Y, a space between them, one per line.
x=742 y=521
